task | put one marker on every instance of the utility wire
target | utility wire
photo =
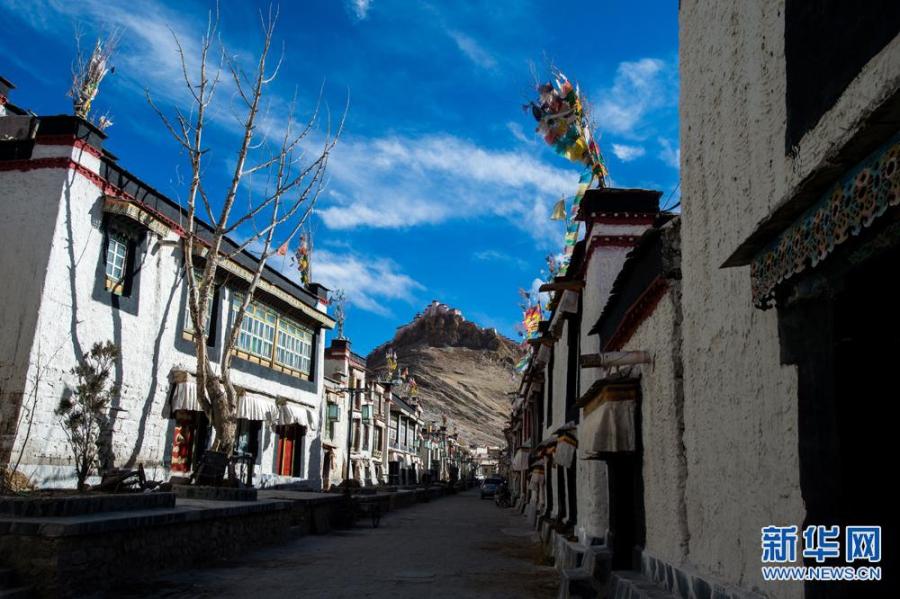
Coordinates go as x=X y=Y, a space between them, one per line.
x=669 y=197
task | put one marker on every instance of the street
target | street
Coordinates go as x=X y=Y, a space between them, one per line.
x=458 y=546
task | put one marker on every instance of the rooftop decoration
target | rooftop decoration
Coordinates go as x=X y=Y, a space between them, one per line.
x=532 y=314
x=391 y=358
x=302 y=257
x=338 y=299
x=522 y=364
x=88 y=73
x=563 y=120
x=564 y=123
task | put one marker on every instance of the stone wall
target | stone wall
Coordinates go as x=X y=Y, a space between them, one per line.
x=663 y=467
x=740 y=402
x=109 y=555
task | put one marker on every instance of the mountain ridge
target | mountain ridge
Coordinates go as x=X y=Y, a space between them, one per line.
x=462 y=370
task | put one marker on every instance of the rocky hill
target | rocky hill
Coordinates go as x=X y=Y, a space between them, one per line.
x=463 y=371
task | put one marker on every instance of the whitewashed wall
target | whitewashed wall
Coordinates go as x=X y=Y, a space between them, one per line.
x=740 y=402
x=591 y=476
x=30 y=202
x=69 y=319
x=663 y=467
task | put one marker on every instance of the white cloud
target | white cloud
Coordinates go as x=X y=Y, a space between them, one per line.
x=498 y=256
x=398 y=182
x=627 y=153
x=669 y=154
x=359 y=8
x=146 y=55
x=639 y=88
x=369 y=281
x=473 y=50
x=518 y=133
x=543 y=296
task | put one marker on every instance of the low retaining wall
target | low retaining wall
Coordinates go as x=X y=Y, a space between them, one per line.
x=310 y=513
x=215 y=493
x=88 y=553
x=73 y=556
x=401 y=499
x=75 y=505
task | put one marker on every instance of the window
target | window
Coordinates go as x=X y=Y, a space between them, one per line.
x=270 y=338
x=378 y=436
x=365 y=438
x=116 y=262
x=294 y=348
x=826 y=45
x=257 y=334
x=333 y=415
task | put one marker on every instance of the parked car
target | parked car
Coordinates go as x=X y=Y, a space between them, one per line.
x=489 y=487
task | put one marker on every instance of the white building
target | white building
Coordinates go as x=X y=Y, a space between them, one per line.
x=334 y=431
x=364 y=436
x=91 y=253
x=404 y=437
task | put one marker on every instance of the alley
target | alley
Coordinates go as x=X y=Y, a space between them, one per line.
x=458 y=546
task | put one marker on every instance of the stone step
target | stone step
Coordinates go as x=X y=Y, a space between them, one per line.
x=598 y=563
x=578 y=584
x=15 y=593
x=628 y=584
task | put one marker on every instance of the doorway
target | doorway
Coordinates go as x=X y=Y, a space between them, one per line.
x=845 y=343
x=627 y=524
x=626 y=511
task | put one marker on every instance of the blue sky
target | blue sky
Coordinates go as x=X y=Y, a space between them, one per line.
x=439 y=188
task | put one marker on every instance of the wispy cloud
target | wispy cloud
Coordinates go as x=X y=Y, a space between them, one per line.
x=473 y=50
x=627 y=153
x=359 y=8
x=639 y=88
x=518 y=132
x=669 y=153
x=146 y=55
x=399 y=182
x=369 y=281
x=498 y=256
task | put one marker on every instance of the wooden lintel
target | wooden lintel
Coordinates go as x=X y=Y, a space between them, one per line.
x=608 y=359
x=591 y=361
x=543 y=340
x=565 y=285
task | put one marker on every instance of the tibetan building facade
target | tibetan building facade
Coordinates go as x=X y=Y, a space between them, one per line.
x=404 y=441
x=733 y=361
x=92 y=254
x=790 y=234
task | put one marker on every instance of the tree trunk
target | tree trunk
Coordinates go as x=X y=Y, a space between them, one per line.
x=224 y=417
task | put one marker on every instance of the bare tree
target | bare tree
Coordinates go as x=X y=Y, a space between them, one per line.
x=276 y=215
